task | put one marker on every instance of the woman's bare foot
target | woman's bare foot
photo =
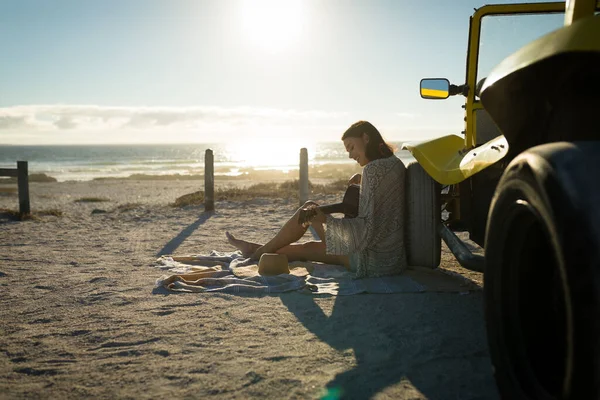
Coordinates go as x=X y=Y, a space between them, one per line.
x=257 y=253
x=247 y=248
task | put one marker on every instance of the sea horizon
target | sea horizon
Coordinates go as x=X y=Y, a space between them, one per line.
x=85 y=162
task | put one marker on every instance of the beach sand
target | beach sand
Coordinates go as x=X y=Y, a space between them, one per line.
x=80 y=319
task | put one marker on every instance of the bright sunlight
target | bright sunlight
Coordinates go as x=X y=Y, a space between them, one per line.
x=272 y=25
x=272 y=153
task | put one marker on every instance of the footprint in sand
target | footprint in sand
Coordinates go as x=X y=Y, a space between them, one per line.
x=36 y=372
x=162 y=313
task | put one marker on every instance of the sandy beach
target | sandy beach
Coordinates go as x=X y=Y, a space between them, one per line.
x=81 y=319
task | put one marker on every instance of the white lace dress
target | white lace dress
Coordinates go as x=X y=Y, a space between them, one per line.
x=374 y=240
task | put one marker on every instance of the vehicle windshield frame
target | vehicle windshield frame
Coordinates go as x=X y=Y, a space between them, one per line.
x=472 y=104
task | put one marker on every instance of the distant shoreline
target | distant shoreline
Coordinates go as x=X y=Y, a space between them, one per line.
x=323 y=172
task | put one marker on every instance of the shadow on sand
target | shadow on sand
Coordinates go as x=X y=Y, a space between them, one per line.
x=433 y=342
x=184 y=234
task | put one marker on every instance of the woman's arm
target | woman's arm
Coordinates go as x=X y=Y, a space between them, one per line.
x=349 y=235
x=354 y=180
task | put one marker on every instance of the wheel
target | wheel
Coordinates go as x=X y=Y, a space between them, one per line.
x=423 y=215
x=542 y=275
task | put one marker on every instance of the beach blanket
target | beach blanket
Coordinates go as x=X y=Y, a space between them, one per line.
x=232 y=273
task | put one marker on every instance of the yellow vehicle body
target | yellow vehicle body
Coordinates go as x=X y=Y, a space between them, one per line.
x=448 y=161
x=451 y=159
x=523 y=182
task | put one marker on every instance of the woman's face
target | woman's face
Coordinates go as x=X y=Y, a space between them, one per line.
x=356 y=147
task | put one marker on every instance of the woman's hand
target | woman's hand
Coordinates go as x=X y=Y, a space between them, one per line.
x=319 y=217
x=311 y=214
x=355 y=180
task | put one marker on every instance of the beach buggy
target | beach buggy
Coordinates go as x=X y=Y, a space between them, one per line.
x=524 y=181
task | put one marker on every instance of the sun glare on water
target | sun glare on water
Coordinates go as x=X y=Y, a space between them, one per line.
x=269 y=154
x=272 y=24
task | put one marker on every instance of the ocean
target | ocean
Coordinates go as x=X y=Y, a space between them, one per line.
x=86 y=162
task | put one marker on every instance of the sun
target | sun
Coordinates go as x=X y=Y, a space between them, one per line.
x=270 y=153
x=272 y=25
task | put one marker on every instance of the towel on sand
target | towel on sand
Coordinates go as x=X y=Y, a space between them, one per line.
x=232 y=273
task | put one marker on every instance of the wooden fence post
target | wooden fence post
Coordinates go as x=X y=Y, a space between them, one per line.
x=303 y=186
x=209 y=181
x=23 y=187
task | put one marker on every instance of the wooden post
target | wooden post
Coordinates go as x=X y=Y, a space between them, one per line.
x=303 y=195
x=23 y=187
x=209 y=181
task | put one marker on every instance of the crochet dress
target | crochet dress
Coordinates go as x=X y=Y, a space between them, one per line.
x=374 y=240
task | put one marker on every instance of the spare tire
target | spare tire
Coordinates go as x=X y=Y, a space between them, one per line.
x=542 y=276
x=423 y=215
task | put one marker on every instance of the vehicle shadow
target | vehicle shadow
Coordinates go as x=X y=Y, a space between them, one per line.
x=428 y=345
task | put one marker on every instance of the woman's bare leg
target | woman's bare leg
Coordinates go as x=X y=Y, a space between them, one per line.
x=283 y=243
x=313 y=251
x=308 y=251
x=289 y=233
x=320 y=230
x=247 y=248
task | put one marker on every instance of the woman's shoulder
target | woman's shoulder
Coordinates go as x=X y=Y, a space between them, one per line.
x=376 y=170
x=386 y=162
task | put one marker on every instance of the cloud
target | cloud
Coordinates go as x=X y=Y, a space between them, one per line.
x=13 y=122
x=86 y=124
x=92 y=117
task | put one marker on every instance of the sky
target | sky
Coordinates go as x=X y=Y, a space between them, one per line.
x=219 y=71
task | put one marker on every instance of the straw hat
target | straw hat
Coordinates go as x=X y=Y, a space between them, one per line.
x=273 y=264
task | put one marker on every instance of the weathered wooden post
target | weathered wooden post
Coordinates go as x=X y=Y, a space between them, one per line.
x=23 y=187
x=209 y=181
x=303 y=195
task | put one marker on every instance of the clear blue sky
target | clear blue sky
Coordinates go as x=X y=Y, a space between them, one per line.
x=126 y=71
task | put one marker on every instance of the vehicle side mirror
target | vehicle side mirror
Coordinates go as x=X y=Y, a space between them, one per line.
x=435 y=88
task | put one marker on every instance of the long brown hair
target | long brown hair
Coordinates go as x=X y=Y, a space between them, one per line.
x=376 y=147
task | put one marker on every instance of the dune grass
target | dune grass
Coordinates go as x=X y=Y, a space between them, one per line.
x=285 y=190
x=127 y=207
x=149 y=177
x=52 y=212
x=42 y=178
x=91 y=200
x=8 y=191
x=14 y=215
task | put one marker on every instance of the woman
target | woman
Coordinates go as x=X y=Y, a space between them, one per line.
x=372 y=244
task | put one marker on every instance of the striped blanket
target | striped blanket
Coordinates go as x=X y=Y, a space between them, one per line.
x=231 y=273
